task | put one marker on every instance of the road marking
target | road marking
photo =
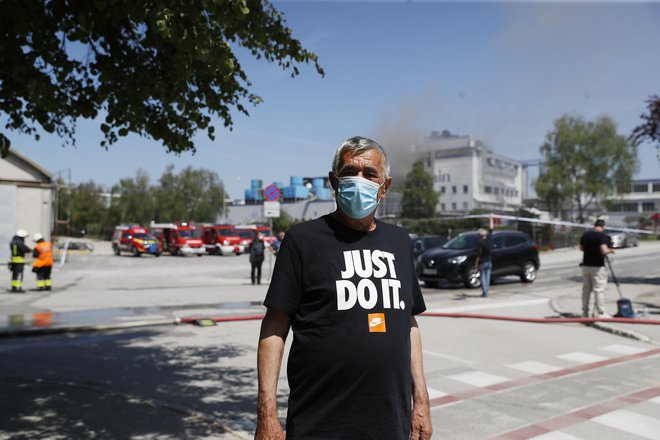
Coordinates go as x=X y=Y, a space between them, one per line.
x=632 y=423
x=583 y=358
x=448 y=357
x=534 y=367
x=434 y=394
x=529 y=302
x=556 y=435
x=624 y=349
x=479 y=378
x=476 y=392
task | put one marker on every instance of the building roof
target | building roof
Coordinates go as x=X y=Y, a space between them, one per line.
x=18 y=168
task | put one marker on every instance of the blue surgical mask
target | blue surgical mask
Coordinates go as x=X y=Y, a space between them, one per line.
x=357 y=197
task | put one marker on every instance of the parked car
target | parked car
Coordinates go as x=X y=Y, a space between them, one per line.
x=136 y=240
x=622 y=239
x=425 y=242
x=513 y=253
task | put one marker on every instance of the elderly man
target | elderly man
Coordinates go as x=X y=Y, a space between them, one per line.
x=346 y=285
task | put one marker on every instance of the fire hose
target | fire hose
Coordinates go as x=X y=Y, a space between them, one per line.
x=212 y=320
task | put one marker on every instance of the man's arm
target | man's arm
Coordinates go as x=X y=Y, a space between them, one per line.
x=605 y=249
x=274 y=329
x=421 y=412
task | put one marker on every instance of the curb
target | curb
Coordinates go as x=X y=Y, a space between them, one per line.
x=609 y=328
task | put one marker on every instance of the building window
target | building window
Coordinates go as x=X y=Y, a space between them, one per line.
x=630 y=207
x=465 y=206
x=465 y=189
x=453 y=190
x=648 y=206
x=442 y=206
x=488 y=189
x=453 y=206
x=497 y=191
x=617 y=207
x=640 y=187
x=442 y=190
x=656 y=187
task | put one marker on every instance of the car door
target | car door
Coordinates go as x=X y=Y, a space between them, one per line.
x=498 y=254
x=517 y=251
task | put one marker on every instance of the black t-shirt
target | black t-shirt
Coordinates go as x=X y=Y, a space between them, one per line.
x=591 y=242
x=350 y=296
x=257 y=248
x=483 y=249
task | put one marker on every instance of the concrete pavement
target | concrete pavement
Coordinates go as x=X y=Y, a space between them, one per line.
x=181 y=402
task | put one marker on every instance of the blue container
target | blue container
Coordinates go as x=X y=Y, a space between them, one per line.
x=256 y=183
x=253 y=195
x=318 y=182
x=324 y=193
x=296 y=181
x=280 y=185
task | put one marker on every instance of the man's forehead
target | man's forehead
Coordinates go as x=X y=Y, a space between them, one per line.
x=365 y=159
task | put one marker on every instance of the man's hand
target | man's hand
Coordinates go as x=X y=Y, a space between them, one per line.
x=269 y=428
x=421 y=422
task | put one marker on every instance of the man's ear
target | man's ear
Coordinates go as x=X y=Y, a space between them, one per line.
x=334 y=181
x=386 y=185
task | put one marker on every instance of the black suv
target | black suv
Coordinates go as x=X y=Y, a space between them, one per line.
x=513 y=253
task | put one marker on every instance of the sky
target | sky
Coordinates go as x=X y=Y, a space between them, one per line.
x=395 y=71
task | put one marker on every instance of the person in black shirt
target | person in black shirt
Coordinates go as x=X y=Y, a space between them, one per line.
x=594 y=245
x=257 y=250
x=484 y=261
x=346 y=285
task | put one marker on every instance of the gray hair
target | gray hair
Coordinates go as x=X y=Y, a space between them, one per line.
x=356 y=146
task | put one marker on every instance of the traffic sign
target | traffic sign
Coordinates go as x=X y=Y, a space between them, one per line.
x=271 y=209
x=272 y=193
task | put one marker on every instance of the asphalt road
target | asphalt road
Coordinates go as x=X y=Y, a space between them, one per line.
x=487 y=379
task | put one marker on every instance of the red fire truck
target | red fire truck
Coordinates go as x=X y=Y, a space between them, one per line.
x=222 y=240
x=179 y=238
x=136 y=240
x=249 y=233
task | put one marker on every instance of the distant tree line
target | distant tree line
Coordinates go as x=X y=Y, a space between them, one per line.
x=91 y=209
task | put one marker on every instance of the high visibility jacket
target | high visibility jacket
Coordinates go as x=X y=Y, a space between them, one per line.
x=43 y=252
x=18 y=250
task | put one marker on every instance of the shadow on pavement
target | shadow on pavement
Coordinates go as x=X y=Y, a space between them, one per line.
x=123 y=385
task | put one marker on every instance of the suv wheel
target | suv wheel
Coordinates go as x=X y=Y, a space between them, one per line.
x=472 y=278
x=134 y=251
x=528 y=272
x=116 y=249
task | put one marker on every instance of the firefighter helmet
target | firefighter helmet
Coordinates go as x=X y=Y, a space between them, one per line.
x=21 y=233
x=38 y=236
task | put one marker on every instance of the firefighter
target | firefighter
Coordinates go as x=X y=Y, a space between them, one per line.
x=17 y=262
x=43 y=261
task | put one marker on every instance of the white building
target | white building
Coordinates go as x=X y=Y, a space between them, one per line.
x=469 y=176
x=643 y=200
x=26 y=195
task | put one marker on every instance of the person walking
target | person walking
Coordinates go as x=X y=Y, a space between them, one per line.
x=594 y=245
x=484 y=261
x=257 y=250
x=277 y=243
x=43 y=263
x=17 y=261
x=345 y=284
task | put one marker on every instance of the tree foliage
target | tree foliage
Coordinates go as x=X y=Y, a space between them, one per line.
x=418 y=197
x=649 y=130
x=584 y=160
x=158 y=69
x=195 y=195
